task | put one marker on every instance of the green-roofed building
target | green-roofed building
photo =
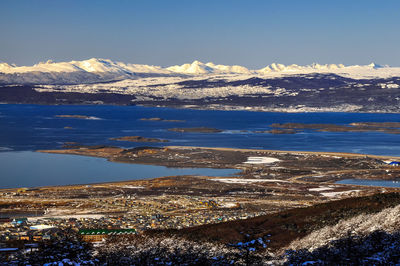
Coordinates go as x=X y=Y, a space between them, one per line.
x=96 y=235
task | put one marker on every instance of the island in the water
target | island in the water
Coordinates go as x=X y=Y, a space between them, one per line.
x=162 y=120
x=78 y=117
x=138 y=139
x=196 y=130
x=290 y=128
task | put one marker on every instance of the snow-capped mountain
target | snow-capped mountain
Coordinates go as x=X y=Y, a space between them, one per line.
x=314 y=67
x=93 y=65
x=355 y=71
x=276 y=87
x=76 y=72
x=104 y=70
x=198 y=68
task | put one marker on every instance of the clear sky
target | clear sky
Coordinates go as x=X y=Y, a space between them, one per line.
x=166 y=32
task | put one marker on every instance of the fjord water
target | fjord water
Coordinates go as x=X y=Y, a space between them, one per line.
x=33 y=127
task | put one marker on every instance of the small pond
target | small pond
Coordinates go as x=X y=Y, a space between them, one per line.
x=367 y=182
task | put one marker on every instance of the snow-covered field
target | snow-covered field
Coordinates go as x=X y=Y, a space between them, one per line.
x=164 y=88
x=320 y=189
x=261 y=160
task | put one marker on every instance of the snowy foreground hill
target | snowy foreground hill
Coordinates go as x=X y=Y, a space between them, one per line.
x=366 y=239
x=276 y=87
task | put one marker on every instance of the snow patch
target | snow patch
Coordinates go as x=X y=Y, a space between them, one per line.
x=136 y=187
x=320 y=189
x=339 y=193
x=261 y=160
x=245 y=181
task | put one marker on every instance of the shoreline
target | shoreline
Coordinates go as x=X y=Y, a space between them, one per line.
x=341 y=154
x=199 y=108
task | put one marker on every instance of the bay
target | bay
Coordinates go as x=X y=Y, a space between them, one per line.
x=33 y=169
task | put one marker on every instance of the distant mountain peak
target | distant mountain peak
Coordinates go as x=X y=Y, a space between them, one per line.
x=197 y=67
x=376 y=66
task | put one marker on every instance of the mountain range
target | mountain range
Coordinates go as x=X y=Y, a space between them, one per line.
x=104 y=70
x=276 y=87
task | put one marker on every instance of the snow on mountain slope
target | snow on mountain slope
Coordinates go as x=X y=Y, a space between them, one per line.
x=277 y=70
x=77 y=72
x=198 y=67
x=386 y=220
x=229 y=69
x=314 y=67
x=48 y=66
x=91 y=65
x=103 y=70
x=356 y=71
x=136 y=68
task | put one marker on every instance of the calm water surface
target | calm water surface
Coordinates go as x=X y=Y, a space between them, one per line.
x=31 y=127
x=31 y=169
x=374 y=183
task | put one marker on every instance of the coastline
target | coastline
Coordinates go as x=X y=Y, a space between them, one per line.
x=341 y=154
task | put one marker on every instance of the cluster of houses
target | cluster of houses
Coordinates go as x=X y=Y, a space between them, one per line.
x=21 y=229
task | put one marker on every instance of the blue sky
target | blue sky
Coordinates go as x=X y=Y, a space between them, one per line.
x=250 y=33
